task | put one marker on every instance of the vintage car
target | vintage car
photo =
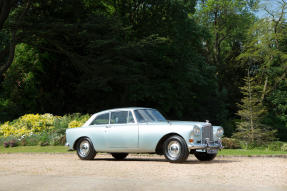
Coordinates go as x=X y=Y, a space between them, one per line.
x=144 y=130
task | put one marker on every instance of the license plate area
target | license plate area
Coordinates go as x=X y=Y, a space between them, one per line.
x=211 y=151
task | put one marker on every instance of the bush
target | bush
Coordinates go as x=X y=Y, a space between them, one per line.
x=57 y=139
x=230 y=143
x=8 y=141
x=31 y=140
x=27 y=125
x=35 y=129
x=74 y=124
x=13 y=143
x=78 y=120
x=6 y=144
x=275 y=146
x=284 y=147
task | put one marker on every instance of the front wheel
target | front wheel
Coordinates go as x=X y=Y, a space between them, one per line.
x=175 y=149
x=203 y=156
x=119 y=156
x=85 y=149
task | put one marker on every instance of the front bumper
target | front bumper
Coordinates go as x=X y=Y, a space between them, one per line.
x=208 y=145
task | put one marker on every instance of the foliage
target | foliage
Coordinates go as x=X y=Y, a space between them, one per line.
x=36 y=129
x=275 y=146
x=74 y=124
x=284 y=147
x=30 y=140
x=28 y=124
x=186 y=58
x=250 y=152
x=265 y=50
x=110 y=48
x=227 y=23
x=230 y=143
x=250 y=129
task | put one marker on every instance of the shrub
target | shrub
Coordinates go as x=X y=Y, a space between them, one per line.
x=74 y=124
x=284 y=147
x=78 y=120
x=275 y=146
x=13 y=143
x=5 y=141
x=30 y=140
x=27 y=125
x=61 y=124
x=57 y=139
x=6 y=144
x=35 y=129
x=44 y=139
x=230 y=143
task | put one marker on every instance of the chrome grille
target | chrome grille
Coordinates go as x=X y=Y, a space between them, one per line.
x=207 y=132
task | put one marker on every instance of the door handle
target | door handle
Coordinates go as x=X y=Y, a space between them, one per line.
x=107 y=126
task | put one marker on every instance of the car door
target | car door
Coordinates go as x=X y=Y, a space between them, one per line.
x=122 y=132
x=98 y=130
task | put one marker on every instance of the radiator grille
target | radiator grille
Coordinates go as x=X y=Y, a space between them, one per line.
x=207 y=132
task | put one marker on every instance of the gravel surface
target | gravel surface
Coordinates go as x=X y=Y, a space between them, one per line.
x=140 y=172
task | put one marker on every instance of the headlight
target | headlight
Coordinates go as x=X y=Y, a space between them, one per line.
x=196 y=131
x=219 y=132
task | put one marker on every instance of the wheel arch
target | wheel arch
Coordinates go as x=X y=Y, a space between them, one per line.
x=159 y=146
x=82 y=137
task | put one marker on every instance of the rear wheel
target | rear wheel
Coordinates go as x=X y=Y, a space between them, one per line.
x=119 y=156
x=203 y=156
x=175 y=149
x=85 y=149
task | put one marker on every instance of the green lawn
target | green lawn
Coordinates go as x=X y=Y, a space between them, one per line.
x=243 y=152
x=34 y=149
x=63 y=149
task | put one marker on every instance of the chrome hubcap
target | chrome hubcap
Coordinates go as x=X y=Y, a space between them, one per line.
x=173 y=149
x=84 y=148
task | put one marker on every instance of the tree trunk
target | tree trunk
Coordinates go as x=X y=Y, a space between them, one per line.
x=264 y=88
x=251 y=109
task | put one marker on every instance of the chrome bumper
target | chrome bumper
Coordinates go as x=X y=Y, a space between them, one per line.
x=205 y=146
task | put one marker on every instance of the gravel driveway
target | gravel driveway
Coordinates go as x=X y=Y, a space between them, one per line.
x=140 y=172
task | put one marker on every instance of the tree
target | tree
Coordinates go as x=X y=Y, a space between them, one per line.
x=103 y=54
x=226 y=22
x=250 y=128
x=14 y=11
x=265 y=49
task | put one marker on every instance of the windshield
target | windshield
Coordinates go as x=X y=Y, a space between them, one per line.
x=148 y=115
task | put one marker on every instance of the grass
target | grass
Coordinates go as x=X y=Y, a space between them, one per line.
x=63 y=149
x=34 y=149
x=252 y=152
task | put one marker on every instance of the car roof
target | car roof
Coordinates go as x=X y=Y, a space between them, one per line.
x=123 y=108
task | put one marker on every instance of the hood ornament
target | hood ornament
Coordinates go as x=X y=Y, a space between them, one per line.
x=206 y=121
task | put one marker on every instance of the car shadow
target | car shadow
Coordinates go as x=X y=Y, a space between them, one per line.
x=190 y=161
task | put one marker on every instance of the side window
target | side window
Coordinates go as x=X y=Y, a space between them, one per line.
x=130 y=118
x=101 y=119
x=139 y=117
x=119 y=117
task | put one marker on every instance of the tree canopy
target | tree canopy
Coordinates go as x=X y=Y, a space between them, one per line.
x=187 y=58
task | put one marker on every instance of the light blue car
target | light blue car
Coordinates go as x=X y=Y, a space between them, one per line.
x=144 y=130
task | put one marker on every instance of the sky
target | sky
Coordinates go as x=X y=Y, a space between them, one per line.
x=271 y=5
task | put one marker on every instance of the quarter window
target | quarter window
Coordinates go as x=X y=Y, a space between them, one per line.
x=119 y=117
x=101 y=119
